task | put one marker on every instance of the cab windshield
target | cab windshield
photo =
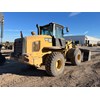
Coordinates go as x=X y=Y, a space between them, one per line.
x=46 y=30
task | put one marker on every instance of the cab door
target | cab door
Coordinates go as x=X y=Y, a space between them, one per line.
x=58 y=39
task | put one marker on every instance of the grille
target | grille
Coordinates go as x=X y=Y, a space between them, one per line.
x=18 y=47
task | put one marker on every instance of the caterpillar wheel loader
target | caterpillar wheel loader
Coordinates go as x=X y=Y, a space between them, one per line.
x=2 y=58
x=48 y=48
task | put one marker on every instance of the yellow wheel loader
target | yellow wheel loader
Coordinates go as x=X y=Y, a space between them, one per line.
x=48 y=48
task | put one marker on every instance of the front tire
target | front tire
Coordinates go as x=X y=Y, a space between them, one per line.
x=55 y=64
x=75 y=56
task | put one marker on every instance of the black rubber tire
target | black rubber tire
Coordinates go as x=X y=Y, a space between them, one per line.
x=75 y=56
x=50 y=64
x=32 y=67
x=2 y=60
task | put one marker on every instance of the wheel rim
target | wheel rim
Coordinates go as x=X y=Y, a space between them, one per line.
x=58 y=65
x=79 y=57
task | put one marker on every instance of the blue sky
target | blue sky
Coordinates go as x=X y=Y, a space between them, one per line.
x=78 y=23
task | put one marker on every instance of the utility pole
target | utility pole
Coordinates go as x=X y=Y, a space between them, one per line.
x=2 y=24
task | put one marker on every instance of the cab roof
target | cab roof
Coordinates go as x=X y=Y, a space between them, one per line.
x=52 y=24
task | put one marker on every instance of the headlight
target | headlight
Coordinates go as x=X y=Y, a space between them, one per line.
x=48 y=39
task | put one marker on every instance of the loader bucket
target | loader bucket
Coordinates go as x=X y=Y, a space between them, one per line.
x=86 y=55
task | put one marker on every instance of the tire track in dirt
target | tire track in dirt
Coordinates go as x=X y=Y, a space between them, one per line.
x=16 y=74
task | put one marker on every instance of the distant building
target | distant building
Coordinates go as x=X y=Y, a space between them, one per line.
x=83 y=39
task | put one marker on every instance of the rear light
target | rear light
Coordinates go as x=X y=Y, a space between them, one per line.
x=36 y=46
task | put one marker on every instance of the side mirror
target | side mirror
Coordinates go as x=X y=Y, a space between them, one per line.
x=67 y=29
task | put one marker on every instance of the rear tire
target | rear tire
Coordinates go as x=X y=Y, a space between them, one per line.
x=55 y=64
x=2 y=60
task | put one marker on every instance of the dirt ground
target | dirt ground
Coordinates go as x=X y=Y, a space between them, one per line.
x=14 y=74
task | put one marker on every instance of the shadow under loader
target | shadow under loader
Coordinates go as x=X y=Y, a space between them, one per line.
x=12 y=67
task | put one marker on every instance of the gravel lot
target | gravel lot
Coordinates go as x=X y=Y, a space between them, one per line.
x=14 y=74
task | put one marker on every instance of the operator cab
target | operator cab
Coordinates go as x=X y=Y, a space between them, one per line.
x=52 y=29
x=55 y=31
